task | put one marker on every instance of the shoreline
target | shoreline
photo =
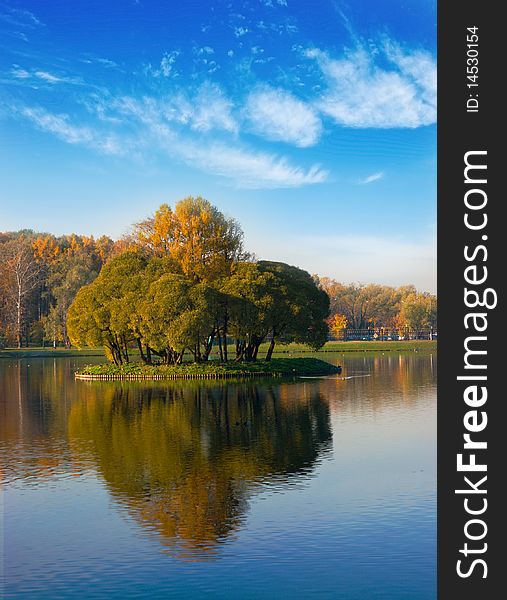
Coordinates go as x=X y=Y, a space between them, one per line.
x=330 y=347
x=277 y=367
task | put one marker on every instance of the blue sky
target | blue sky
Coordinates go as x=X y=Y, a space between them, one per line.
x=312 y=123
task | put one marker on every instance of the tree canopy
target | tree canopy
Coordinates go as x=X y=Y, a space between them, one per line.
x=195 y=234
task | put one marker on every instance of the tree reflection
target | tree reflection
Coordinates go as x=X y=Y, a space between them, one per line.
x=184 y=458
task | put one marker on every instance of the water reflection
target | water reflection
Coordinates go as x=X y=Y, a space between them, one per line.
x=184 y=458
x=181 y=458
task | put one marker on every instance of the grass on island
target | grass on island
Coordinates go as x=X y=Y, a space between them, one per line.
x=360 y=346
x=276 y=366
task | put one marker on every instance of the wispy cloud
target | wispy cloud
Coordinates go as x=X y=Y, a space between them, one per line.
x=251 y=169
x=203 y=50
x=238 y=163
x=49 y=77
x=362 y=92
x=202 y=110
x=19 y=73
x=240 y=31
x=61 y=126
x=166 y=67
x=371 y=178
x=278 y=115
x=134 y=128
x=273 y=3
x=212 y=110
x=104 y=62
x=19 y=17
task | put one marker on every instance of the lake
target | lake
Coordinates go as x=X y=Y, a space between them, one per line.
x=318 y=487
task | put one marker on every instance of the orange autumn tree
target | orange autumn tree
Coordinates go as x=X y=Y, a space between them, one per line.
x=196 y=235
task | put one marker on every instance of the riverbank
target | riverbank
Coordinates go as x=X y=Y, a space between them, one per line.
x=277 y=367
x=360 y=346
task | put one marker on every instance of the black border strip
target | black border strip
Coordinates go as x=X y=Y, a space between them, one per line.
x=459 y=132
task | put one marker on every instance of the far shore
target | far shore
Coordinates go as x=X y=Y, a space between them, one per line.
x=289 y=349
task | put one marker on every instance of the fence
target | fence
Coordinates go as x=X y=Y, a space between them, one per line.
x=385 y=334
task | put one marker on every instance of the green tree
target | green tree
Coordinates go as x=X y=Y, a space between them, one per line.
x=104 y=312
x=250 y=302
x=69 y=272
x=299 y=307
x=278 y=302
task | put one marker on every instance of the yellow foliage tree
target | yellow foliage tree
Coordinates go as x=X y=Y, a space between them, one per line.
x=337 y=324
x=196 y=235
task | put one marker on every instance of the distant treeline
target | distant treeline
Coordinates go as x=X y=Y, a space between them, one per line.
x=360 y=307
x=41 y=274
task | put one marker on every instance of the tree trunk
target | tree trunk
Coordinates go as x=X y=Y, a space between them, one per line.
x=209 y=346
x=225 y=338
x=269 y=353
x=125 y=349
x=240 y=350
x=220 y=347
x=18 y=317
x=143 y=356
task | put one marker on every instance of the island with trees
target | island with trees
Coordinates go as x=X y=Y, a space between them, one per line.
x=183 y=285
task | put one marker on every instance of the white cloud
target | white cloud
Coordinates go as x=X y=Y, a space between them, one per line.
x=22 y=74
x=246 y=168
x=19 y=73
x=166 y=67
x=203 y=110
x=58 y=125
x=19 y=17
x=62 y=128
x=278 y=115
x=371 y=178
x=240 y=31
x=361 y=93
x=250 y=169
x=271 y=3
x=204 y=50
x=49 y=77
x=167 y=62
x=178 y=129
x=212 y=110
x=105 y=62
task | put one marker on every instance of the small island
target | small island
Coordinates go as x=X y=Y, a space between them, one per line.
x=276 y=367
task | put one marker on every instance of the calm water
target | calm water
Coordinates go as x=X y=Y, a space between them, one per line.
x=317 y=488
